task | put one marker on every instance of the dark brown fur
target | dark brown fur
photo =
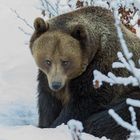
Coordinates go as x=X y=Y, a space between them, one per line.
x=94 y=29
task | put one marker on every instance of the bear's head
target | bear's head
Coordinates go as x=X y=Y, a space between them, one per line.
x=60 y=55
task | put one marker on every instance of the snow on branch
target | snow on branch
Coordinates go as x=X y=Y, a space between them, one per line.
x=133 y=102
x=76 y=129
x=128 y=55
x=125 y=59
x=46 y=6
x=134 y=79
x=120 y=121
x=135 y=132
x=57 y=7
x=112 y=79
x=133 y=116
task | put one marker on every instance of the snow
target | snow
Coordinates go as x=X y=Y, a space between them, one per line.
x=135 y=132
x=113 y=79
x=132 y=102
x=124 y=47
x=74 y=124
x=18 y=71
x=133 y=116
x=33 y=133
x=17 y=68
x=76 y=128
x=121 y=122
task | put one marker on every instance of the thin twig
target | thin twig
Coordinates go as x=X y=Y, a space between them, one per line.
x=45 y=2
x=57 y=6
x=26 y=33
x=21 y=18
x=46 y=6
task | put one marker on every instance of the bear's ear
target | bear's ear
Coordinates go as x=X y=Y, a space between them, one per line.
x=40 y=25
x=79 y=32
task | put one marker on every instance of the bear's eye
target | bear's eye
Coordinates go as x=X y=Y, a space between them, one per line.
x=65 y=63
x=48 y=62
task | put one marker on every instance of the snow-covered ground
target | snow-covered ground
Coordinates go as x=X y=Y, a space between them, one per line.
x=17 y=69
x=32 y=133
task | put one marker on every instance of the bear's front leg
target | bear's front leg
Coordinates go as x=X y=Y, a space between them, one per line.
x=49 y=109
x=48 y=106
x=79 y=109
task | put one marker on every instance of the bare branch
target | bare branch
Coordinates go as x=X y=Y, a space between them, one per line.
x=26 y=33
x=22 y=19
x=57 y=6
x=133 y=102
x=48 y=7
x=76 y=128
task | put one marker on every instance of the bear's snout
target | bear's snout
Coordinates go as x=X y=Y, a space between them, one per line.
x=56 y=86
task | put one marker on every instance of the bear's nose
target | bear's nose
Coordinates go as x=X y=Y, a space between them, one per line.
x=56 y=85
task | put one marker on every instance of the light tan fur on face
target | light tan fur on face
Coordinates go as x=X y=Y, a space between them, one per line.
x=58 y=47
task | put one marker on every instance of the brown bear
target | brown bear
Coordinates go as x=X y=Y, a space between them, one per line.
x=66 y=50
